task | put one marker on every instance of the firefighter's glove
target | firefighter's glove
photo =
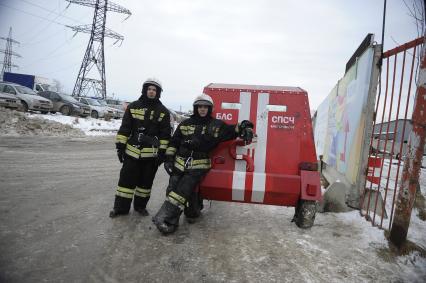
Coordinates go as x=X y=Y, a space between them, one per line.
x=244 y=125
x=161 y=157
x=247 y=135
x=121 y=148
x=245 y=130
x=193 y=143
x=168 y=166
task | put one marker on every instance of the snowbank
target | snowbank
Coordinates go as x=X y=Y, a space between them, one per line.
x=90 y=126
x=14 y=123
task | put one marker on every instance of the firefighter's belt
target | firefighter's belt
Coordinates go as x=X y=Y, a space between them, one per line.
x=144 y=152
x=185 y=152
x=183 y=164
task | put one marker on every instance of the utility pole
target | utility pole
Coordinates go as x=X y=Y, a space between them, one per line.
x=8 y=53
x=95 y=55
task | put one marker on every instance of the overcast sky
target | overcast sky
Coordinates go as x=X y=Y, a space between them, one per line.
x=189 y=44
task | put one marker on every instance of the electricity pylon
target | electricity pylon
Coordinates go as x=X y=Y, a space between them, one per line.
x=95 y=49
x=8 y=53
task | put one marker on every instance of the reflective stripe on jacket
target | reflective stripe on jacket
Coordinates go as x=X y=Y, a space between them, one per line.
x=150 y=119
x=193 y=140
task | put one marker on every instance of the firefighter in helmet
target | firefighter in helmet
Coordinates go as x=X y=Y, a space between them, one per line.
x=141 y=144
x=187 y=161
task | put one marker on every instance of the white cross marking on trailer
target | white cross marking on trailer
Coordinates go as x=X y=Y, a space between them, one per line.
x=239 y=174
x=259 y=176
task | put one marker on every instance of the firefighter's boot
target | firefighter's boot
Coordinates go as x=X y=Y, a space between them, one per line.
x=167 y=218
x=142 y=211
x=193 y=210
x=115 y=212
x=191 y=220
x=140 y=202
x=121 y=206
x=165 y=228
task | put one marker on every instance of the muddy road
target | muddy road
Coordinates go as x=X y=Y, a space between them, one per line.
x=54 y=226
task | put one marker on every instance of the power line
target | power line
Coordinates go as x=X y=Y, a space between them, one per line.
x=36 y=34
x=43 y=39
x=33 y=27
x=49 y=57
x=49 y=36
x=61 y=69
x=31 y=14
x=52 y=11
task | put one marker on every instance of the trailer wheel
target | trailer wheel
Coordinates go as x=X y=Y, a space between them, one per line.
x=305 y=213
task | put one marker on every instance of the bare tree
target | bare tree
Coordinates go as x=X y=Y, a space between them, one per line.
x=59 y=86
x=417 y=11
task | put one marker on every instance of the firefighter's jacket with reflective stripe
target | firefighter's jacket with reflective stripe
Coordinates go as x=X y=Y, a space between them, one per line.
x=193 y=140
x=145 y=129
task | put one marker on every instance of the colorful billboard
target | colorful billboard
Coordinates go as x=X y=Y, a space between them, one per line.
x=341 y=118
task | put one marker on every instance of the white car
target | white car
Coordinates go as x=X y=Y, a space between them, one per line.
x=97 y=110
x=29 y=98
x=10 y=101
x=115 y=103
x=117 y=113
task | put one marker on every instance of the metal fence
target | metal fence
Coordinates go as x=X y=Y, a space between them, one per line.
x=391 y=126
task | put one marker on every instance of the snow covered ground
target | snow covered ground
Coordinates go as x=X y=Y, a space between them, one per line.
x=265 y=246
x=389 y=188
x=14 y=123
x=89 y=126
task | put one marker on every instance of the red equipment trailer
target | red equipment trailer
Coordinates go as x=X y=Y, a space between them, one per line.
x=277 y=168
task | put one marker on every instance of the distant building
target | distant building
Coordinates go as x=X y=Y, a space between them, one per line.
x=382 y=132
x=389 y=137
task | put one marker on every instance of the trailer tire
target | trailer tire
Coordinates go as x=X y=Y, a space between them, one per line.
x=305 y=213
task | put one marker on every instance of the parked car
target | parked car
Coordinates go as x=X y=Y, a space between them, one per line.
x=10 y=101
x=117 y=104
x=66 y=104
x=97 y=110
x=117 y=113
x=29 y=98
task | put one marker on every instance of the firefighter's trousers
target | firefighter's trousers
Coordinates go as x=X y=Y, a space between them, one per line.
x=136 y=178
x=181 y=196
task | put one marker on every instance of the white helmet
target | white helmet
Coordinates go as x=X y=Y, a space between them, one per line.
x=152 y=81
x=203 y=99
